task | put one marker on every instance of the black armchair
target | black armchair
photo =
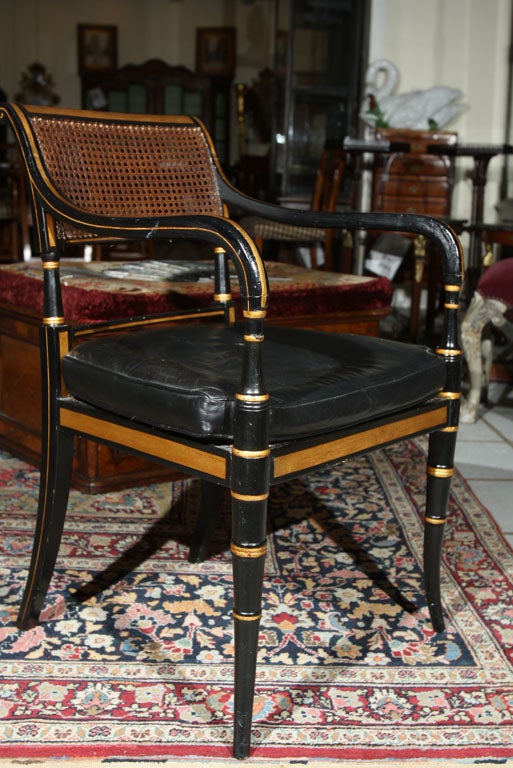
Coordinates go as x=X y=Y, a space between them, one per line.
x=239 y=406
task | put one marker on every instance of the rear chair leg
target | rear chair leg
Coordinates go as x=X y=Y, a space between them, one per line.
x=248 y=552
x=54 y=488
x=211 y=503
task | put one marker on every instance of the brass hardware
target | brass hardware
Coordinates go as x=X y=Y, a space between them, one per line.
x=50 y=265
x=452 y=288
x=222 y=297
x=451 y=306
x=240 y=617
x=449 y=429
x=435 y=520
x=450 y=395
x=488 y=258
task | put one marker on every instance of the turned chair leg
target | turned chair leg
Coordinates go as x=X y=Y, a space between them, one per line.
x=54 y=488
x=248 y=553
x=440 y=470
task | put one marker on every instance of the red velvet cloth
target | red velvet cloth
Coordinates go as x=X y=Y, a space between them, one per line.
x=293 y=291
x=496 y=282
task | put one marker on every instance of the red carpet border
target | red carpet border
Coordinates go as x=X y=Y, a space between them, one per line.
x=133 y=657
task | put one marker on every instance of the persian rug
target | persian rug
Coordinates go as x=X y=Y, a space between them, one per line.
x=133 y=656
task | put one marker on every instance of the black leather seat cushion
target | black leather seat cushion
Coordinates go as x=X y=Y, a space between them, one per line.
x=184 y=378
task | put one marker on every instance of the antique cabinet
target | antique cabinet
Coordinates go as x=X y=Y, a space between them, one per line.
x=418 y=180
x=155 y=87
x=319 y=58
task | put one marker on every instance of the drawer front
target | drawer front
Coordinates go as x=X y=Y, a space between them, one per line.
x=419 y=141
x=426 y=205
x=414 y=187
x=417 y=165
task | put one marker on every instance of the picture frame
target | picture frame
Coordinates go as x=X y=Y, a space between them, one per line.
x=97 y=48
x=215 y=51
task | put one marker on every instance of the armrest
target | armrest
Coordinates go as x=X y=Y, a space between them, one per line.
x=435 y=230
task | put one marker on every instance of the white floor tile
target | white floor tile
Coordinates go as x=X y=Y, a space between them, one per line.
x=497 y=497
x=501 y=419
x=485 y=460
x=477 y=432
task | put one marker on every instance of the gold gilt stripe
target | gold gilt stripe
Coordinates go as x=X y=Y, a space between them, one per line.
x=254 y=314
x=307 y=458
x=50 y=265
x=440 y=471
x=241 y=617
x=53 y=320
x=434 y=520
x=249 y=497
x=251 y=454
x=450 y=395
x=153 y=445
x=248 y=552
x=145 y=321
x=448 y=352
x=222 y=296
x=253 y=338
x=251 y=398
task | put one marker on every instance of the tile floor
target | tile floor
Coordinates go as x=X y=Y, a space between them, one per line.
x=484 y=455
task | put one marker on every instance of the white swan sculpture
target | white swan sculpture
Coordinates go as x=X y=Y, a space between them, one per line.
x=418 y=110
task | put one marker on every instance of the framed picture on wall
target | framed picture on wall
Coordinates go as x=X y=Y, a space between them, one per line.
x=215 y=51
x=97 y=48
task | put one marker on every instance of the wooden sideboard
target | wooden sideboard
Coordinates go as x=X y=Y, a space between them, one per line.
x=155 y=87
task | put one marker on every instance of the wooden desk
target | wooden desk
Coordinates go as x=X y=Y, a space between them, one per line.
x=308 y=299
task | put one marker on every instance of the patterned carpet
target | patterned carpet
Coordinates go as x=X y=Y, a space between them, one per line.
x=133 y=658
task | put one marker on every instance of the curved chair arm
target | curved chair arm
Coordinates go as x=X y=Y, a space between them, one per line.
x=435 y=230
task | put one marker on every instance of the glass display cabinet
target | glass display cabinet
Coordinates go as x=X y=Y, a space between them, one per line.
x=320 y=55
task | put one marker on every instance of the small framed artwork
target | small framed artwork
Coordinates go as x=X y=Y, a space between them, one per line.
x=215 y=51
x=97 y=48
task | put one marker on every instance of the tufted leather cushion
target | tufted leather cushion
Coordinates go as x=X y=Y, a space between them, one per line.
x=184 y=378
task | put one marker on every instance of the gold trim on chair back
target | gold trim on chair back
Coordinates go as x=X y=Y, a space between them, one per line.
x=97 y=180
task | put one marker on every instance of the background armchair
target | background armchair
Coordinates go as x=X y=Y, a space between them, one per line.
x=236 y=406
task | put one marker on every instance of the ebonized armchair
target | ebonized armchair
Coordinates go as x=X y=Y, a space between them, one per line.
x=240 y=406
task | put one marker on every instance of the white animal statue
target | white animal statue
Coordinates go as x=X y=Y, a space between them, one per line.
x=417 y=110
